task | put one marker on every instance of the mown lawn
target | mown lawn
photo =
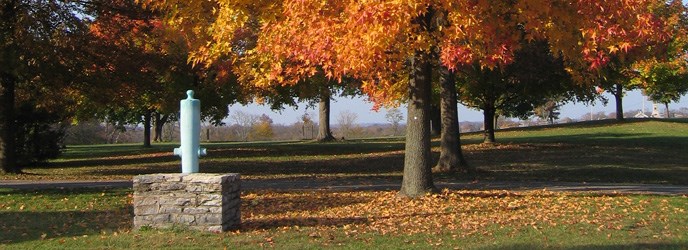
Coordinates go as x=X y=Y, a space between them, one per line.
x=636 y=151
x=97 y=218
x=647 y=151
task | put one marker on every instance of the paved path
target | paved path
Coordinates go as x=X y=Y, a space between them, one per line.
x=381 y=184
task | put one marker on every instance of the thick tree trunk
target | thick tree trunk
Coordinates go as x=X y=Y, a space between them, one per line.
x=435 y=120
x=147 y=129
x=8 y=143
x=451 y=156
x=666 y=106
x=618 y=96
x=489 y=124
x=160 y=121
x=324 y=132
x=417 y=179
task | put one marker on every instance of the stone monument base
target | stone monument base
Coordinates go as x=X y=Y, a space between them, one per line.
x=206 y=202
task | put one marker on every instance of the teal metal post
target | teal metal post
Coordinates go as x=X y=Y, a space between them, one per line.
x=190 y=133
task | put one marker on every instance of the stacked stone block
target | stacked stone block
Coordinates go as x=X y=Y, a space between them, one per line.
x=207 y=202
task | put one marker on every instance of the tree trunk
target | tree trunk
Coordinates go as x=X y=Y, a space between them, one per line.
x=8 y=142
x=489 y=124
x=324 y=132
x=417 y=179
x=618 y=96
x=666 y=106
x=451 y=156
x=160 y=121
x=147 y=129
x=435 y=120
x=495 y=122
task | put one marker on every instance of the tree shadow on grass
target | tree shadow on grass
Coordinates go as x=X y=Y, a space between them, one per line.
x=371 y=164
x=256 y=152
x=133 y=159
x=550 y=161
x=593 y=124
x=607 y=139
x=111 y=150
x=26 y=226
x=597 y=174
x=302 y=149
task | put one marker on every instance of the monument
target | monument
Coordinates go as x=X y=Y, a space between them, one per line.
x=207 y=202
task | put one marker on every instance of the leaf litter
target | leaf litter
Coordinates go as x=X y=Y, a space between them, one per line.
x=461 y=213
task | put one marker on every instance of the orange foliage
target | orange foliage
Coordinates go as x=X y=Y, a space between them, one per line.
x=373 y=40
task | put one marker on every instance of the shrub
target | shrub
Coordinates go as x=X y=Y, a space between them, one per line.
x=39 y=135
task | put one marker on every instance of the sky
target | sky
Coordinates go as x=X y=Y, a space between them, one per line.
x=363 y=109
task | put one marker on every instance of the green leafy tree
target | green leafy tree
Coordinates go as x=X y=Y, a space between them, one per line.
x=615 y=78
x=516 y=89
x=666 y=83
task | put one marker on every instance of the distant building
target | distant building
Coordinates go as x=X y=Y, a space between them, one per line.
x=640 y=114
x=655 y=111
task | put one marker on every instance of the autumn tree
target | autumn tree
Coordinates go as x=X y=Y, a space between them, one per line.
x=140 y=70
x=39 y=60
x=263 y=129
x=119 y=62
x=394 y=46
x=664 y=78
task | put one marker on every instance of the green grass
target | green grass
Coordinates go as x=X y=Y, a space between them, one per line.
x=102 y=218
x=640 y=151
x=30 y=215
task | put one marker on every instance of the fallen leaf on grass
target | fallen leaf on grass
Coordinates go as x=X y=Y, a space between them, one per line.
x=464 y=212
